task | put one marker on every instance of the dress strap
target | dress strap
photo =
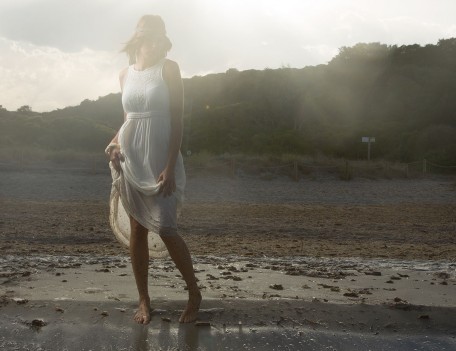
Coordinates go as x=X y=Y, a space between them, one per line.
x=161 y=64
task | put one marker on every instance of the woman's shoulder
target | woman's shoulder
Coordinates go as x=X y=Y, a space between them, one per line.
x=170 y=64
x=122 y=75
x=170 y=69
x=123 y=72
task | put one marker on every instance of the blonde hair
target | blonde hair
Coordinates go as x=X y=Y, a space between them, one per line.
x=149 y=27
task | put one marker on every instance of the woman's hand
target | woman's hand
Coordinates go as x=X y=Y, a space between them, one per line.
x=115 y=157
x=169 y=182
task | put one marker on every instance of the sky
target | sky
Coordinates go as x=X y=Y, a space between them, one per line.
x=57 y=53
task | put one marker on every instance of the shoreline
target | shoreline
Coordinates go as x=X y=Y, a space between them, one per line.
x=421 y=292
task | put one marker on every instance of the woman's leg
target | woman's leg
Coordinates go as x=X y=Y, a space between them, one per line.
x=139 y=253
x=178 y=251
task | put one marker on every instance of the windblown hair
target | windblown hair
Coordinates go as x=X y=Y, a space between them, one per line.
x=149 y=27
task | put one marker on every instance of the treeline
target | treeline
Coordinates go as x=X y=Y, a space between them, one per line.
x=404 y=96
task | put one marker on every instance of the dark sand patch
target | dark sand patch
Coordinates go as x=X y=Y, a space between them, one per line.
x=404 y=231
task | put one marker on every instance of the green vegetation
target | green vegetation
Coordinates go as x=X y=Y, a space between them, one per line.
x=405 y=96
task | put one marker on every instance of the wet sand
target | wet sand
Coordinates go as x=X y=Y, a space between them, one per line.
x=302 y=301
x=282 y=265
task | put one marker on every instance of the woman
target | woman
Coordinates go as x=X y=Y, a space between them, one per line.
x=146 y=154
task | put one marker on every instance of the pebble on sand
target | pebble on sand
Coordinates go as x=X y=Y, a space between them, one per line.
x=376 y=273
x=37 y=323
x=19 y=300
x=351 y=294
x=276 y=286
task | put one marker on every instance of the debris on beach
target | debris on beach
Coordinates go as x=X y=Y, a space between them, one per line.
x=159 y=311
x=366 y=291
x=442 y=275
x=19 y=300
x=351 y=294
x=376 y=273
x=92 y=290
x=276 y=286
x=36 y=323
x=312 y=323
x=215 y=310
x=403 y=305
x=105 y=313
x=166 y=319
x=202 y=324
x=103 y=270
x=115 y=298
x=211 y=277
x=269 y=296
x=4 y=300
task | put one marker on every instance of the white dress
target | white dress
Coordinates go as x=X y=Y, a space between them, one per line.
x=144 y=141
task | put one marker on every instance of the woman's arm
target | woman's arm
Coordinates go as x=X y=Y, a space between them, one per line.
x=113 y=150
x=172 y=77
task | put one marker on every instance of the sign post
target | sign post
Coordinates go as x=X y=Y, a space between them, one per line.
x=368 y=140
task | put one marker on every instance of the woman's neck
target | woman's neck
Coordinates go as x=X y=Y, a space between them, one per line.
x=142 y=64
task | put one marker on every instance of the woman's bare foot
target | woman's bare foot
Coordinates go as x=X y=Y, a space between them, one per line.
x=142 y=315
x=191 y=311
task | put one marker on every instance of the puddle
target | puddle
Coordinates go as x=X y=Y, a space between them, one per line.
x=163 y=336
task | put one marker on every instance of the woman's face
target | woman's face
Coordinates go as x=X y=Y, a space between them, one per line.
x=150 y=49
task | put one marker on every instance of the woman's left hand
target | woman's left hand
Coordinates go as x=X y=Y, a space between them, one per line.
x=169 y=182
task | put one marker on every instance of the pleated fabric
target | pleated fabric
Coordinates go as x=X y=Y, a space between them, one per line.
x=144 y=143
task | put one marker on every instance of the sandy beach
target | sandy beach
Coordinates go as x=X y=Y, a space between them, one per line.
x=315 y=264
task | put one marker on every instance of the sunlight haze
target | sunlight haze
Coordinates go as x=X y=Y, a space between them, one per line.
x=56 y=53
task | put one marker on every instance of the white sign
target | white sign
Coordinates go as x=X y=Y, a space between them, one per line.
x=368 y=140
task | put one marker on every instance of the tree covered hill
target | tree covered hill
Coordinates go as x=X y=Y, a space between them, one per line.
x=405 y=96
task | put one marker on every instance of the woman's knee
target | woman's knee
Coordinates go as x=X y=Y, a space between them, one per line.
x=167 y=232
x=136 y=227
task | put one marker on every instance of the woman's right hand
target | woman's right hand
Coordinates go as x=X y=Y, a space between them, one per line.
x=116 y=157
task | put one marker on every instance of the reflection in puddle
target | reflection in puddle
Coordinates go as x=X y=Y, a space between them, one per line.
x=161 y=335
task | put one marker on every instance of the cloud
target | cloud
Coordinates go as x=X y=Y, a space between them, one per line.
x=47 y=78
x=404 y=30
x=67 y=25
